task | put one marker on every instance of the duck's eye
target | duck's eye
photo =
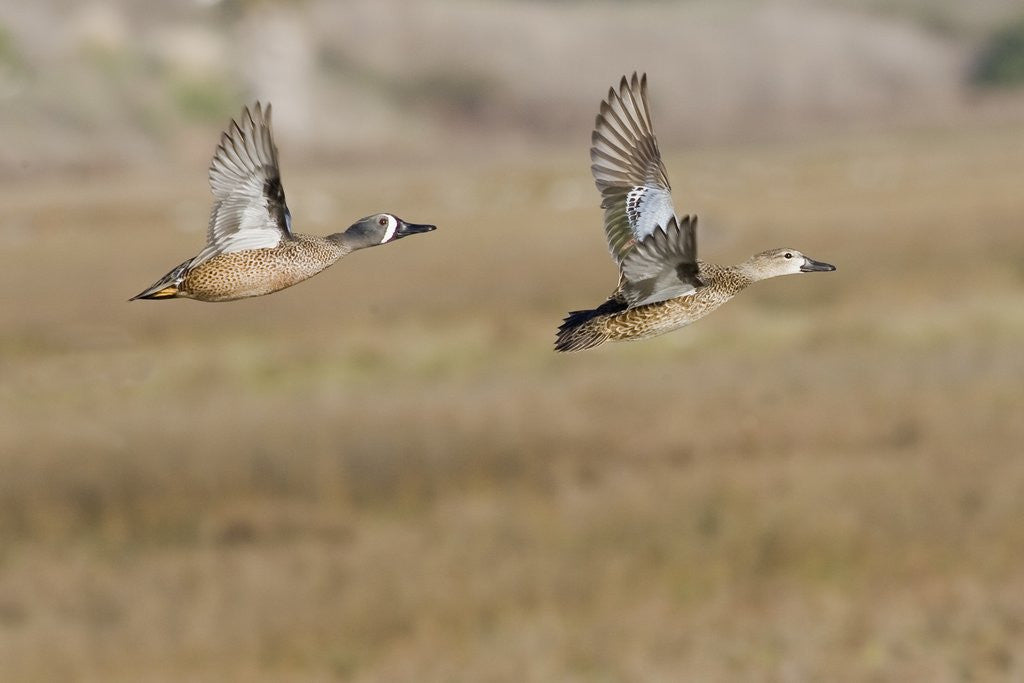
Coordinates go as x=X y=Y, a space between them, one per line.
x=383 y=220
x=789 y=255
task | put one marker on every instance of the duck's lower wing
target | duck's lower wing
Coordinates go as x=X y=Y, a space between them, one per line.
x=663 y=265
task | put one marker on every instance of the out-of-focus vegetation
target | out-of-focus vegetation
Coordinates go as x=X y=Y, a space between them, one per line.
x=1001 y=62
x=385 y=473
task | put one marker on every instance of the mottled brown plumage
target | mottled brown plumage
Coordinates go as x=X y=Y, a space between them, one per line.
x=251 y=249
x=621 y=323
x=662 y=285
x=255 y=272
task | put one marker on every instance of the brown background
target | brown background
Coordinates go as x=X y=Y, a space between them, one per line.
x=385 y=474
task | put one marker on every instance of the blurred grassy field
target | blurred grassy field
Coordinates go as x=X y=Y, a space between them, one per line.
x=385 y=474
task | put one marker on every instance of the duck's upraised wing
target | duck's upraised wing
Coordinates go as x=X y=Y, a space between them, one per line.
x=662 y=265
x=627 y=168
x=249 y=209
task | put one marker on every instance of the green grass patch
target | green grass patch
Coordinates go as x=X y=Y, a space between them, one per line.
x=207 y=99
x=1001 y=62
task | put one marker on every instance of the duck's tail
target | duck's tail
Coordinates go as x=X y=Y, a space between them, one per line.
x=583 y=330
x=167 y=286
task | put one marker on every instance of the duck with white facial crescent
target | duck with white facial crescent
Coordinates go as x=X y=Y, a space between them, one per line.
x=250 y=247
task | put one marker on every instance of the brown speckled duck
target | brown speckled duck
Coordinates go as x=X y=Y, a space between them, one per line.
x=662 y=284
x=250 y=247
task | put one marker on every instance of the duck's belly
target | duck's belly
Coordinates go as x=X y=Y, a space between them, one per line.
x=243 y=274
x=625 y=327
x=644 y=322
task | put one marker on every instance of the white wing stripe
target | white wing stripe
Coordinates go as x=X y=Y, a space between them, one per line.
x=627 y=168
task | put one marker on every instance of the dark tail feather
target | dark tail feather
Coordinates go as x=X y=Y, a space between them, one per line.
x=166 y=287
x=168 y=292
x=580 y=331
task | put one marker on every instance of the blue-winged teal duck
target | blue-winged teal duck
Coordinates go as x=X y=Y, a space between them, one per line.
x=662 y=284
x=250 y=247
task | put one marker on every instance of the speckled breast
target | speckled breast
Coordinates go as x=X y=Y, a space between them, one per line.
x=255 y=272
x=652 y=320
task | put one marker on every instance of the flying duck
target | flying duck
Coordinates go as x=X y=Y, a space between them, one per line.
x=250 y=247
x=662 y=284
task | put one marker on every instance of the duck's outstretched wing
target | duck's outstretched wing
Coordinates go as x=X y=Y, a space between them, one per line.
x=662 y=265
x=249 y=208
x=627 y=168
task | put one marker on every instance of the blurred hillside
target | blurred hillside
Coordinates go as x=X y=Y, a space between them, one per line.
x=110 y=84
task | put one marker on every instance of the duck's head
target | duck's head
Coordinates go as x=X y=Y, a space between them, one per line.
x=775 y=262
x=381 y=228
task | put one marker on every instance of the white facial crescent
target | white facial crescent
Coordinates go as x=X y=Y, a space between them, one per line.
x=390 y=232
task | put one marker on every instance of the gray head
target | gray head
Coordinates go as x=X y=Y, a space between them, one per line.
x=380 y=228
x=775 y=262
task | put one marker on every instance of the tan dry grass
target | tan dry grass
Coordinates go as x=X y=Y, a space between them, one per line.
x=385 y=474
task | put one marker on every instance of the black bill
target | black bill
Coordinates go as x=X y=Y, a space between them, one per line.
x=811 y=266
x=412 y=228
